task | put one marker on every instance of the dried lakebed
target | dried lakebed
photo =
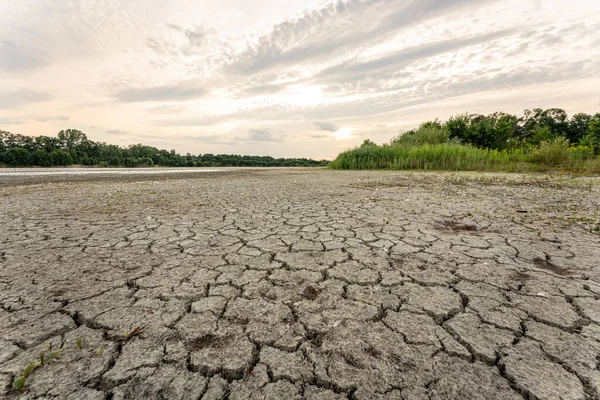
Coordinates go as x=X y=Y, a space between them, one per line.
x=299 y=283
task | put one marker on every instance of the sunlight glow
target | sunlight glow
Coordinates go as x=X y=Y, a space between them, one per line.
x=343 y=133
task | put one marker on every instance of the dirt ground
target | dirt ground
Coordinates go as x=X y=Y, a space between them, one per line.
x=301 y=283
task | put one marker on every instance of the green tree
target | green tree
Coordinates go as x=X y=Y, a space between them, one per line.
x=592 y=137
x=42 y=158
x=61 y=157
x=75 y=142
x=557 y=120
x=481 y=132
x=505 y=130
x=530 y=121
x=19 y=157
x=458 y=127
x=47 y=143
x=540 y=134
x=578 y=127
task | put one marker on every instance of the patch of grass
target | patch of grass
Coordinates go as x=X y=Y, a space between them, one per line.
x=548 y=156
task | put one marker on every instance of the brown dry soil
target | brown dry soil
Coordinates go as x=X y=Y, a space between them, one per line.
x=298 y=283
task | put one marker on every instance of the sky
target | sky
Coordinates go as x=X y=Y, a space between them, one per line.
x=287 y=78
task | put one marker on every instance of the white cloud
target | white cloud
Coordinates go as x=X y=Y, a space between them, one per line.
x=160 y=93
x=262 y=135
x=327 y=126
x=16 y=59
x=116 y=132
x=17 y=98
x=57 y=118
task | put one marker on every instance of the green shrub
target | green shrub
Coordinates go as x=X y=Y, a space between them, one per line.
x=581 y=153
x=552 y=153
x=426 y=134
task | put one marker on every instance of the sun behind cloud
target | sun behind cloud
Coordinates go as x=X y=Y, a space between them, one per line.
x=343 y=133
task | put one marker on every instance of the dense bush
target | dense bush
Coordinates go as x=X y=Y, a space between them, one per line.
x=554 y=152
x=426 y=134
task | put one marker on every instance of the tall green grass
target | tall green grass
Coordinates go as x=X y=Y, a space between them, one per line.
x=556 y=154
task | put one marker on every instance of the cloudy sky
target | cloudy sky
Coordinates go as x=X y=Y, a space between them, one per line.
x=286 y=78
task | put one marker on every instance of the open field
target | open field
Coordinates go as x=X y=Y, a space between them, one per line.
x=301 y=283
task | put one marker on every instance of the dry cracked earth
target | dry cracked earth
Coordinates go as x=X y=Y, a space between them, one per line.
x=299 y=283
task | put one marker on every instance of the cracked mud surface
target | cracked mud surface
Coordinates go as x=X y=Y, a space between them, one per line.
x=303 y=283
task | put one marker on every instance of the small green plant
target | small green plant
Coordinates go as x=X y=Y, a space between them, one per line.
x=19 y=382
x=79 y=343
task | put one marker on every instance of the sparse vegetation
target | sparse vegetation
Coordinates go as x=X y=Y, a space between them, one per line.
x=540 y=140
x=21 y=380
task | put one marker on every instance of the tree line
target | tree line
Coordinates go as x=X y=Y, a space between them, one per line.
x=502 y=131
x=72 y=147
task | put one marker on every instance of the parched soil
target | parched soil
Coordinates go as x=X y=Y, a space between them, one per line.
x=302 y=283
